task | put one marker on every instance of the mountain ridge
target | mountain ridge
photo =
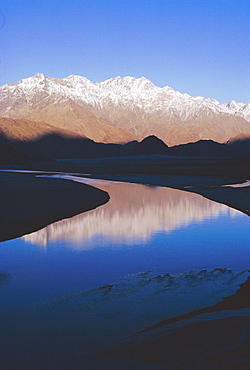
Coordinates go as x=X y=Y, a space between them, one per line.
x=122 y=109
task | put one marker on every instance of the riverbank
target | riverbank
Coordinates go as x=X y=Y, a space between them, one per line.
x=29 y=203
x=218 y=189
x=204 y=176
x=41 y=202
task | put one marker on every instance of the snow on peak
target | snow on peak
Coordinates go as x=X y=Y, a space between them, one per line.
x=234 y=105
x=128 y=83
x=40 y=76
x=240 y=109
x=76 y=79
x=120 y=91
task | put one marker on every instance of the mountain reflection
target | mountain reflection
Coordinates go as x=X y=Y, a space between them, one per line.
x=133 y=214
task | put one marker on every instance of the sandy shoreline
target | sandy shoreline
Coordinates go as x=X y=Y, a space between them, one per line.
x=29 y=203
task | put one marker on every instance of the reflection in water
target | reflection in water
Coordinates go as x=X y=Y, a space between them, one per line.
x=133 y=214
x=240 y=185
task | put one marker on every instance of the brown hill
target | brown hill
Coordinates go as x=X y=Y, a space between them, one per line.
x=238 y=138
x=67 y=115
x=27 y=130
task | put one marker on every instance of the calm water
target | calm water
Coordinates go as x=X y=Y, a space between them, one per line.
x=76 y=286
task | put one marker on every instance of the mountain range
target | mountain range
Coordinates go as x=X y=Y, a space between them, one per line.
x=117 y=110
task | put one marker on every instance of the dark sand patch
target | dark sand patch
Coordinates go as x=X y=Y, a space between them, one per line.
x=209 y=343
x=29 y=203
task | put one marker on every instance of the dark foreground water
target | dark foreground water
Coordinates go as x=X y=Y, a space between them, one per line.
x=83 y=284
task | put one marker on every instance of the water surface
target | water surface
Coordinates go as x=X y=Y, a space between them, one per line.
x=80 y=284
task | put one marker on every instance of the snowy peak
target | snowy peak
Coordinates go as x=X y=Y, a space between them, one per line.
x=78 y=80
x=240 y=109
x=40 y=76
x=139 y=92
x=127 y=83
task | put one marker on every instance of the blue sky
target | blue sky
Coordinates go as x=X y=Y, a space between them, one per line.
x=200 y=47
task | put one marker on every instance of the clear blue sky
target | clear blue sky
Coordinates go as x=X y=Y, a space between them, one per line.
x=201 y=47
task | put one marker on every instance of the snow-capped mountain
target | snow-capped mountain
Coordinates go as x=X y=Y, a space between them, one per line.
x=240 y=109
x=122 y=109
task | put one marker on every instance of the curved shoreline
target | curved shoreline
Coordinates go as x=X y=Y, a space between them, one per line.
x=29 y=203
x=204 y=176
x=23 y=194
x=217 y=189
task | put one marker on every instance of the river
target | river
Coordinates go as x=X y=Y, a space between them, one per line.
x=82 y=284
